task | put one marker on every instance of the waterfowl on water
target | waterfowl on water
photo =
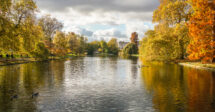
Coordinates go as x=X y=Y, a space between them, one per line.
x=14 y=97
x=34 y=95
x=140 y=66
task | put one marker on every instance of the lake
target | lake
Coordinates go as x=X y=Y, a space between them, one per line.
x=105 y=84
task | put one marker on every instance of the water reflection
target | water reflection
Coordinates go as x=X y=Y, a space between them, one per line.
x=107 y=84
x=201 y=86
x=178 y=89
x=24 y=80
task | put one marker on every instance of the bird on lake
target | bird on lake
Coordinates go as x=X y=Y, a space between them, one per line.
x=14 y=97
x=140 y=66
x=34 y=95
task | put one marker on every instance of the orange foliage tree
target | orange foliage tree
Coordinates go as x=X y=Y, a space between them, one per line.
x=134 y=38
x=201 y=28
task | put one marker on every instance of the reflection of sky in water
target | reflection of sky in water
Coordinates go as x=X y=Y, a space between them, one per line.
x=106 y=85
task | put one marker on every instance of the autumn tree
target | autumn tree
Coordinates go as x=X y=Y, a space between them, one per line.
x=26 y=31
x=60 y=43
x=21 y=32
x=134 y=38
x=172 y=12
x=5 y=25
x=50 y=26
x=18 y=30
x=170 y=37
x=76 y=43
x=72 y=42
x=81 y=44
x=5 y=6
x=201 y=28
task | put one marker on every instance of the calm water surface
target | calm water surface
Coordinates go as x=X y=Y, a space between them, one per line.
x=95 y=84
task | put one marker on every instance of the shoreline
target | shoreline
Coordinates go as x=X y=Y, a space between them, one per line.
x=16 y=61
x=198 y=65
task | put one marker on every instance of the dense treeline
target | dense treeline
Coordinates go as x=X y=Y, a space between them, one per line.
x=23 y=34
x=103 y=47
x=169 y=39
x=184 y=30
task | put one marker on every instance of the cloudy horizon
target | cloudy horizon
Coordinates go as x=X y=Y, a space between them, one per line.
x=102 y=19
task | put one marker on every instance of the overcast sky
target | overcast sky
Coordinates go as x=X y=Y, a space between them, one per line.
x=102 y=19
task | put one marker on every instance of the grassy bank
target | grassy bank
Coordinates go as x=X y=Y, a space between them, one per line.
x=199 y=65
x=13 y=61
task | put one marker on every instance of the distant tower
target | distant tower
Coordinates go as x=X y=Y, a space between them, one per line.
x=134 y=38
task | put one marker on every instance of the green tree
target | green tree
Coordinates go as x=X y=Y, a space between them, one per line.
x=92 y=47
x=103 y=47
x=113 y=46
x=41 y=51
x=130 y=49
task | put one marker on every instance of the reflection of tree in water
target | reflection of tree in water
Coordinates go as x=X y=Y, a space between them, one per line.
x=176 y=88
x=57 y=69
x=26 y=79
x=112 y=64
x=201 y=90
x=166 y=84
x=134 y=69
x=9 y=85
x=76 y=65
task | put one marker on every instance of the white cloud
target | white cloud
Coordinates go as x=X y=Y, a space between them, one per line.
x=104 y=5
x=108 y=34
x=80 y=31
x=137 y=26
x=77 y=15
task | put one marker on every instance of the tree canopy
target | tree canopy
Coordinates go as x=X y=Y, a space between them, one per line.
x=170 y=37
x=201 y=28
x=130 y=49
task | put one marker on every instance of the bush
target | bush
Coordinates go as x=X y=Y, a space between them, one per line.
x=41 y=51
x=130 y=49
